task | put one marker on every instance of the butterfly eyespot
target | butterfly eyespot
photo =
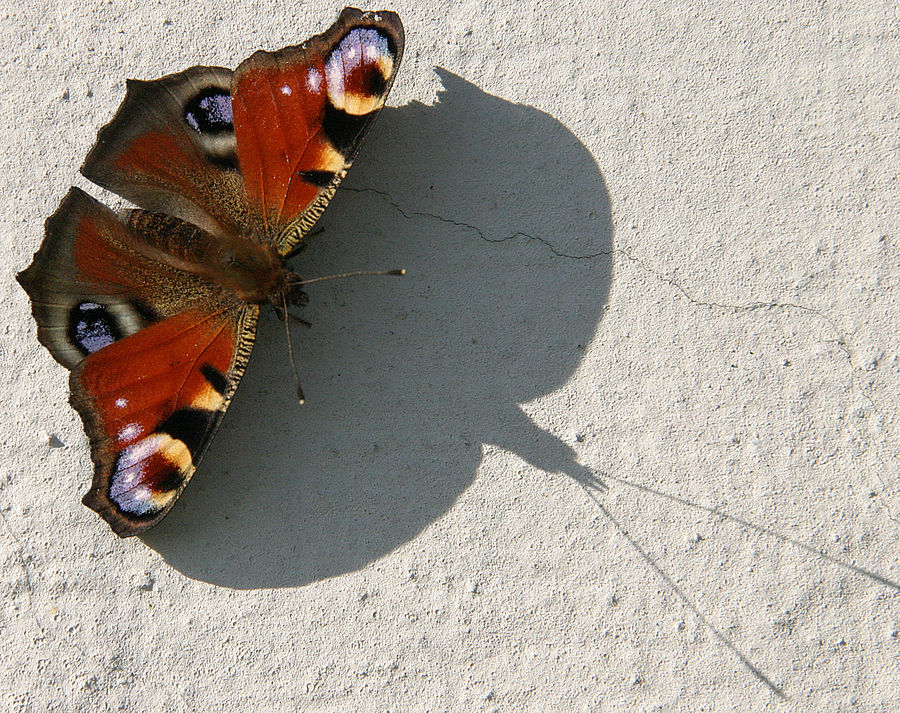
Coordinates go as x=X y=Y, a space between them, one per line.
x=357 y=70
x=92 y=327
x=146 y=475
x=209 y=112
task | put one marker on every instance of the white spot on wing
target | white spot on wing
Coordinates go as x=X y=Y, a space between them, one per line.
x=286 y=90
x=130 y=432
x=121 y=402
x=313 y=80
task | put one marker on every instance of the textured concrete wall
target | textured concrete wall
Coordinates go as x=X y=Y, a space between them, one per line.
x=653 y=245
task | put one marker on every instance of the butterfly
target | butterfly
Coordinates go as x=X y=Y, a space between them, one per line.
x=155 y=312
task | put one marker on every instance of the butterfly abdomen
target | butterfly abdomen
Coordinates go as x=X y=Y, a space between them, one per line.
x=249 y=270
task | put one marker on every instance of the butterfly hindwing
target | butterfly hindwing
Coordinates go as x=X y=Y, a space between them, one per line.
x=170 y=148
x=155 y=354
x=90 y=284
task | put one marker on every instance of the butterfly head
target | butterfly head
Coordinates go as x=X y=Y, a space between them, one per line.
x=290 y=291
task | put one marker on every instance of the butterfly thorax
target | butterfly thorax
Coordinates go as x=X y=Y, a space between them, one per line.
x=253 y=272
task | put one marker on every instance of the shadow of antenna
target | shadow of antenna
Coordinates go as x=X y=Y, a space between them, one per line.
x=874 y=576
x=592 y=489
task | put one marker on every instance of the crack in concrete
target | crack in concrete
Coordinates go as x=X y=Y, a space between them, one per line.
x=841 y=340
x=475 y=229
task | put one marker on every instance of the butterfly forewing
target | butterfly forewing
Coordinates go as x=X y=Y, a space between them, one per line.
x=300 y=116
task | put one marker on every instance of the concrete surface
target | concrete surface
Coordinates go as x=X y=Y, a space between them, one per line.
x=650 y=246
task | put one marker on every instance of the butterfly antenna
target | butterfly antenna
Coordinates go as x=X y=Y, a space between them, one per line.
x=287 y=330
x=341 y=275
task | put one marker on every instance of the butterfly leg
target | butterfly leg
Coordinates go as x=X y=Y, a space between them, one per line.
x=302 y=321
x=284 y=313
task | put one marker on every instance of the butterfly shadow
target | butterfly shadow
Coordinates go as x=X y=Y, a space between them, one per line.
x=502 y=219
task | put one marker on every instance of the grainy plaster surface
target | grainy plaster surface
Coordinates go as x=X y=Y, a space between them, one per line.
x=649 y=244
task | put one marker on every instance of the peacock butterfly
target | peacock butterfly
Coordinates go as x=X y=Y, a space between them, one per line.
x=155 y=312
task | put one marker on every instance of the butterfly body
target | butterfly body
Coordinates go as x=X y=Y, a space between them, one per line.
x=154 y=312
x=251 y=272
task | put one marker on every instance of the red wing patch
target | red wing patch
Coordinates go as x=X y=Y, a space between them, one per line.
x=151 y=403
x=300 y=115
